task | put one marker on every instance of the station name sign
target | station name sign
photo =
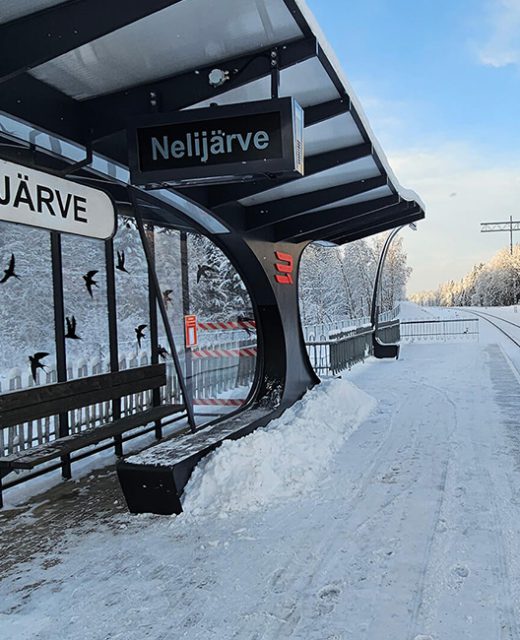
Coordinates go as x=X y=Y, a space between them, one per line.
x=40 y=199
x=217 y=144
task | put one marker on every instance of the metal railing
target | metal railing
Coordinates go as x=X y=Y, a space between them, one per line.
x=440 y=330
x=344 y=349
x=323 y=331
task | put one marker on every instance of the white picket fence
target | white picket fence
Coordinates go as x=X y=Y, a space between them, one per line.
x=211 y=378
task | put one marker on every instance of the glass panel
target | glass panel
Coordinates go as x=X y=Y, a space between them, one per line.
x=197 y=279
x=133 y=319
x=225 y=361
x=26 y=326
x=26 y=307
x=85 y=302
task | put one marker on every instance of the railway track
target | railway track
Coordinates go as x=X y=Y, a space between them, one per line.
x=485 y=316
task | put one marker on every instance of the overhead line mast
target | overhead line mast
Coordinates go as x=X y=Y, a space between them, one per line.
x=512 y=225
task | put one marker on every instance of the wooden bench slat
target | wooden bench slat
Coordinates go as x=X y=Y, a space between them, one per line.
x=42 y=453
x=56 y=391
x=70 y=395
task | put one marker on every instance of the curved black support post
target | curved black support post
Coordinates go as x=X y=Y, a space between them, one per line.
x=380 y=349
x=270 y=273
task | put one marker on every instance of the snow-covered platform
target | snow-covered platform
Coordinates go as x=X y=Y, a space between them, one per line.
x=406 y=526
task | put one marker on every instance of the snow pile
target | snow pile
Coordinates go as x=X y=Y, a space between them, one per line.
x=283 y=460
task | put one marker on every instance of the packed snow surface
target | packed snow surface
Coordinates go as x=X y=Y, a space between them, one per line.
x=410 y=532
x=286 y=459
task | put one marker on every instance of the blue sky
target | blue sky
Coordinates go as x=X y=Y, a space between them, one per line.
x=440 y=83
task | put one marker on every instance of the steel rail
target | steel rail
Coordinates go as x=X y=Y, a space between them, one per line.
x=483 y=315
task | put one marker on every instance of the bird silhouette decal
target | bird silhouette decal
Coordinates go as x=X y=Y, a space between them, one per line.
x=90 y=282
x=36 y=363
x=203 y=270
x=248 y=330
x=139 y=333
x=167 y=296
x=9 y=272
x=121 y=262
x=71 y=328
x=161 y=352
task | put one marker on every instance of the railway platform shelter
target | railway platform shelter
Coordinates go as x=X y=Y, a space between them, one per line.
x=237 y=124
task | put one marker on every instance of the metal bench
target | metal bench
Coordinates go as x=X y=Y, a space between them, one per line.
x=153 y=480
x=57 y=399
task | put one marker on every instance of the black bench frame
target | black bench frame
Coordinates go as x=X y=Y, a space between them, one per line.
x=57 y=399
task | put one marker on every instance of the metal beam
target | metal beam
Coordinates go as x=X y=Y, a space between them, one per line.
x=314 y=114
x=56 y=112
x=370 y=218
x=49 y=33
x=191 y=87
x=413 y=214
x=276 y=211
x=223 y=194
x=313 y=225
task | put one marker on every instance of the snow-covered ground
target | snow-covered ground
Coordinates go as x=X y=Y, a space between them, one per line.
x=404 y=526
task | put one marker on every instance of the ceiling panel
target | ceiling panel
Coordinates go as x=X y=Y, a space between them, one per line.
x=342 y=174
x=331 y=134
x=380 y=192
x=176 y=39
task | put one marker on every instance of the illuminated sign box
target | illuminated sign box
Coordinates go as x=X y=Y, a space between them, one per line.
x=229 y=143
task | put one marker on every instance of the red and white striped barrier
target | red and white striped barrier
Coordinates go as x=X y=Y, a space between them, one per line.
x=244 y=352
x=219 y=402
x=218 y=326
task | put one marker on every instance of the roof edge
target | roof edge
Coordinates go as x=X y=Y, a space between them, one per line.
x=405 y=193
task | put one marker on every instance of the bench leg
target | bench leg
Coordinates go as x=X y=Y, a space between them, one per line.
x=1 y=496
x=66 y=471
x=158 y=430
x=118 y=446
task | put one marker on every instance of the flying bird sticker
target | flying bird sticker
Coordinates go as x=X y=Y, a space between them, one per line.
x=36 y=363
x=161 y=352
x=90 y=282
x=71 y=328
x=139 y=333
x=9 y=272
x=167 y=297
x=121 y=262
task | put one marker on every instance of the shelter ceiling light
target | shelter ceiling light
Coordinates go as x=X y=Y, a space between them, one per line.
x=217 y=77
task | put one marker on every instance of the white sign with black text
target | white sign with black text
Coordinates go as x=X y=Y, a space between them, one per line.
x=40 y=199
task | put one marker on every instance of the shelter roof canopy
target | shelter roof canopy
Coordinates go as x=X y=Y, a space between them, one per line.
x=103 y=69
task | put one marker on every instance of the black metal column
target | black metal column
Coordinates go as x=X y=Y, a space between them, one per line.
x=154 y=333
x=59 y=338
x=188 y=401
x=185 y=285
x=112 y=334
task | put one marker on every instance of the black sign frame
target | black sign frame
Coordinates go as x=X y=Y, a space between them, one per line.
x=290 y=150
